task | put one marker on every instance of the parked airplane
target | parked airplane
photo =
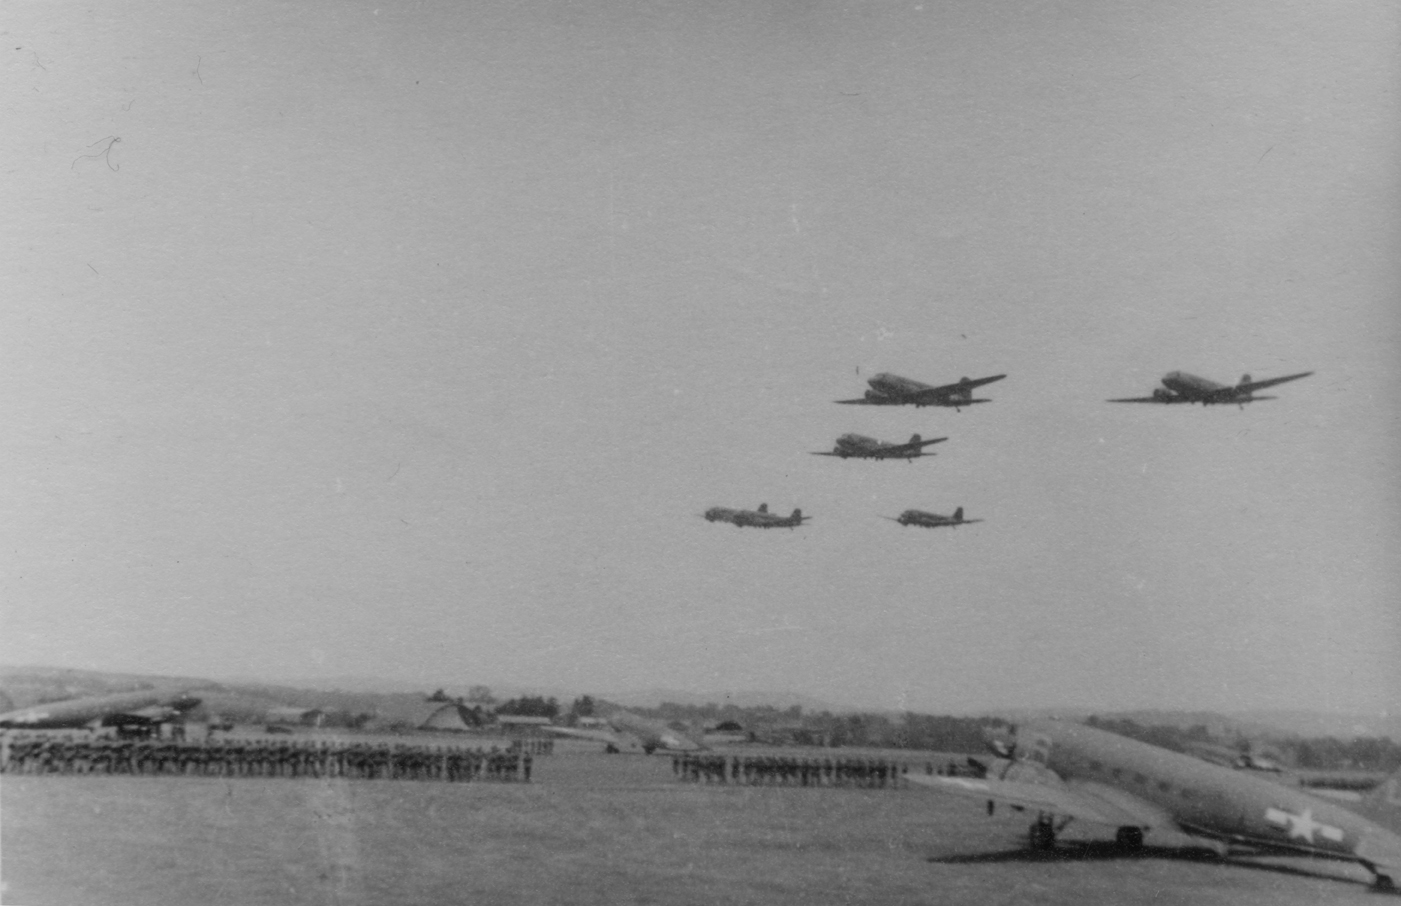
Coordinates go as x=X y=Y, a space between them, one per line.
x=863 y=447
x=893 y=390
x=932 y=520
x=628 y=732
x=1233 y=757
x=760 y=518
x=1346 y=785
x=125 y=708
x=1065 y=771
x=1181 y=387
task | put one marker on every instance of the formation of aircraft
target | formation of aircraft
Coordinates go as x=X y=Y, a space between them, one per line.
x=862 y=447
x=932 y=520
x=1181 y=387
x=888 y=389
x=760 y=518
x=893 y=390
x=1065 y=772
x=122 y=709
x=628 y=732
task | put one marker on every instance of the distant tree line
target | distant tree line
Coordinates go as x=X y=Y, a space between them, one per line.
x=530 y=706
x=1364 y=753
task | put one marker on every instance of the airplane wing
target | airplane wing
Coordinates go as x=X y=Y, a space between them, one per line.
x=939 y=393
x=153 y=714
x=865 y=402
x=902 y=449
x=976 y=382
x=604 y=736
x=828 y=453
x=1261 y=385
x=1045 y=792
x=1151 y=399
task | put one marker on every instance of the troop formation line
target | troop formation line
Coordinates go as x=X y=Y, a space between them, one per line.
x=263 y=758
x=785 y=770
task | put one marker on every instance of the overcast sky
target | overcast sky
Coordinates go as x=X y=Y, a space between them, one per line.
x=411 y=340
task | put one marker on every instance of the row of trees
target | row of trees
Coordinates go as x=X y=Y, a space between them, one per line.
x=1364 y=753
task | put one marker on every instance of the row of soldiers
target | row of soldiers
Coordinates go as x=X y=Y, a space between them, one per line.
x=533 y=746
x=260 y=758
x=783 y=770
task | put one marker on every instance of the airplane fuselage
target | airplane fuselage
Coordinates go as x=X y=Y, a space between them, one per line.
x=652 y=734
x=75 y=713
x=628 y=732
x=862 y=447
x=760 y=518
x=893 y=390
x=1210 y=800
x=927 y=520
x=1192 y=387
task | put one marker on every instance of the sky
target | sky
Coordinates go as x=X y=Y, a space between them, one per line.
x=411 y=341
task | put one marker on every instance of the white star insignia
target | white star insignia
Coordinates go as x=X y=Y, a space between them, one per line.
x=1303 y=825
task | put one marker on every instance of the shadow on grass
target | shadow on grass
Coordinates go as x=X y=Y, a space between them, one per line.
x=1100 y=850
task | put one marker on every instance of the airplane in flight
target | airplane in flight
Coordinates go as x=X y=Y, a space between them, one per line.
x=122 y=709
x=760 y=518
x=932 y=520
x=624 y=731
x=1181 y=387
x=1063 y=771
x=862 y=447
x=893 y=390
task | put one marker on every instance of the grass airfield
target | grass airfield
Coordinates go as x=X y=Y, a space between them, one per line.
x=592 y=828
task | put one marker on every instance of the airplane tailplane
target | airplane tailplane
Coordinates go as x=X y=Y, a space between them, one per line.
x=958 y=515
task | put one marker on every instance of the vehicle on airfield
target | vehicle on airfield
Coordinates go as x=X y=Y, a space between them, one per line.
x=124 y=709
x=628 y=732
x=1181 y=387
x=932 y=520
x=760 y=518
x=1064 y=771
x=862 y=447
x=892 y=390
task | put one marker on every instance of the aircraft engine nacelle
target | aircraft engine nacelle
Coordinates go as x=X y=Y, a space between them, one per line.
x=1162 y=393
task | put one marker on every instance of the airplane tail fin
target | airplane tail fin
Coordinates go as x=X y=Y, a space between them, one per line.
x=914 y=439
x=763 y=507
x=1244 y=379
x=958 y=515
x=797 y=515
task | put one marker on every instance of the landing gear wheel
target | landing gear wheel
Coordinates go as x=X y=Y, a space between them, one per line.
x=1129 y=837
x=1042 y=836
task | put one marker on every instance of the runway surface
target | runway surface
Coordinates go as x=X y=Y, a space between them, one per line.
x=591 y=829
